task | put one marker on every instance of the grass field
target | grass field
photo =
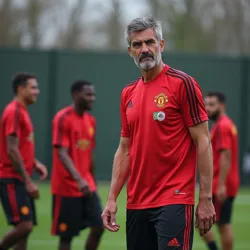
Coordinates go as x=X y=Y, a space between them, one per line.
x=41 y=238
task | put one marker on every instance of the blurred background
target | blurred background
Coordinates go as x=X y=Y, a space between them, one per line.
x=64 y=40
x=213 y=26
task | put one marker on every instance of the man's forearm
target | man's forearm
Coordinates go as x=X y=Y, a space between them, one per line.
x=205 y=167
x=69 y=165
x=17 y=163
x=224 y=166
x=119 y=174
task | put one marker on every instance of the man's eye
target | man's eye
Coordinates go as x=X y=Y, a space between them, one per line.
x=136 y=44
x=150 y=41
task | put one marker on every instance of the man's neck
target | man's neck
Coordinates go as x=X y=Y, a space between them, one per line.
x=78 y=110
x=152 y=73
x=18 y=99
x=219 y=116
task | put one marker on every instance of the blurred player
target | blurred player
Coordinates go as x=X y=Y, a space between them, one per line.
x=17 y=161
x=246 y=166
x=76 y=204
x=226 y=182
x=164 y=133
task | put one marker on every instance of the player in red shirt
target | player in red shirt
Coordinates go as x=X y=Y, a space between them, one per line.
x=76 y=204
x=224 y=137
x=17 y=162
x=164 y=133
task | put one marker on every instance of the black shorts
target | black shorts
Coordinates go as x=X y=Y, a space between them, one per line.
x=72 y=214
x=17 y=204
x=164 y=228
x=223 y=211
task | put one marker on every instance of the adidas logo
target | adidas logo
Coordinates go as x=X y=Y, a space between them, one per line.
x=173 y=243
x=130 y=104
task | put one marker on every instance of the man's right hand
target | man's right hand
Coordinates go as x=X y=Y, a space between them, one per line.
x=108 y=216
x=84 y=187
x=32 y=189
x=205 y=215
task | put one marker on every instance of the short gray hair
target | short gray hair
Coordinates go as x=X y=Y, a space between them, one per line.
x=143 y=23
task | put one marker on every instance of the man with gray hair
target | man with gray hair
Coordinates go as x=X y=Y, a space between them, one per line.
x=164 y=136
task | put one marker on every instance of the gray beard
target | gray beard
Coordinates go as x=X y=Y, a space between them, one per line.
x=149 y=64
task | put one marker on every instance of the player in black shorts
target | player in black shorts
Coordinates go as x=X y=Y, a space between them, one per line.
x=17 y=162
x=76 y=204
x=226 y=179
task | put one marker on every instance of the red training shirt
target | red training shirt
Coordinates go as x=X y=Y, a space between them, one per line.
x=155 y=116
x=77 y=133
x=16 y=120
x=224 y=135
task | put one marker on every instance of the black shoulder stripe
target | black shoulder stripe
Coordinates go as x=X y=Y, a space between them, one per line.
x=60 y=127
x=190 y=91
x=133 y=82
x=17 y=118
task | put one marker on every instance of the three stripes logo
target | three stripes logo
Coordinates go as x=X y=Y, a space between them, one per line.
x=173 y=243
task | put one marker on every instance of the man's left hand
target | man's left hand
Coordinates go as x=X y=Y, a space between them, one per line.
x=42 y=170
x=221 y=194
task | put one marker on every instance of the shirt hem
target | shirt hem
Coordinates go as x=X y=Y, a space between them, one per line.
x=67 y=195
x=11 y=177
x=72 y=195
x=125 y=135
x=160 y=204
x=228 y=194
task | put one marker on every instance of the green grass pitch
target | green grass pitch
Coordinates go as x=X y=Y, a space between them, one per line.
x=41 y=238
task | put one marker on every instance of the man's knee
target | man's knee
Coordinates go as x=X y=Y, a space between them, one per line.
x=97 y=231
x=208 y=237
x=65 y=243
x=225 y=230
x=25 y=227
x=66 y=240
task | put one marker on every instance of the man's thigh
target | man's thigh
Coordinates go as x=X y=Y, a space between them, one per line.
x=17 y=204
x=174 y=226
x=140 y=233
x=92 y=211
x=66 y=216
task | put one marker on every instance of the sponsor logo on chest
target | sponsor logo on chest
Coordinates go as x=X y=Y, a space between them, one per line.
x=83 y=144
x=159 y=116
